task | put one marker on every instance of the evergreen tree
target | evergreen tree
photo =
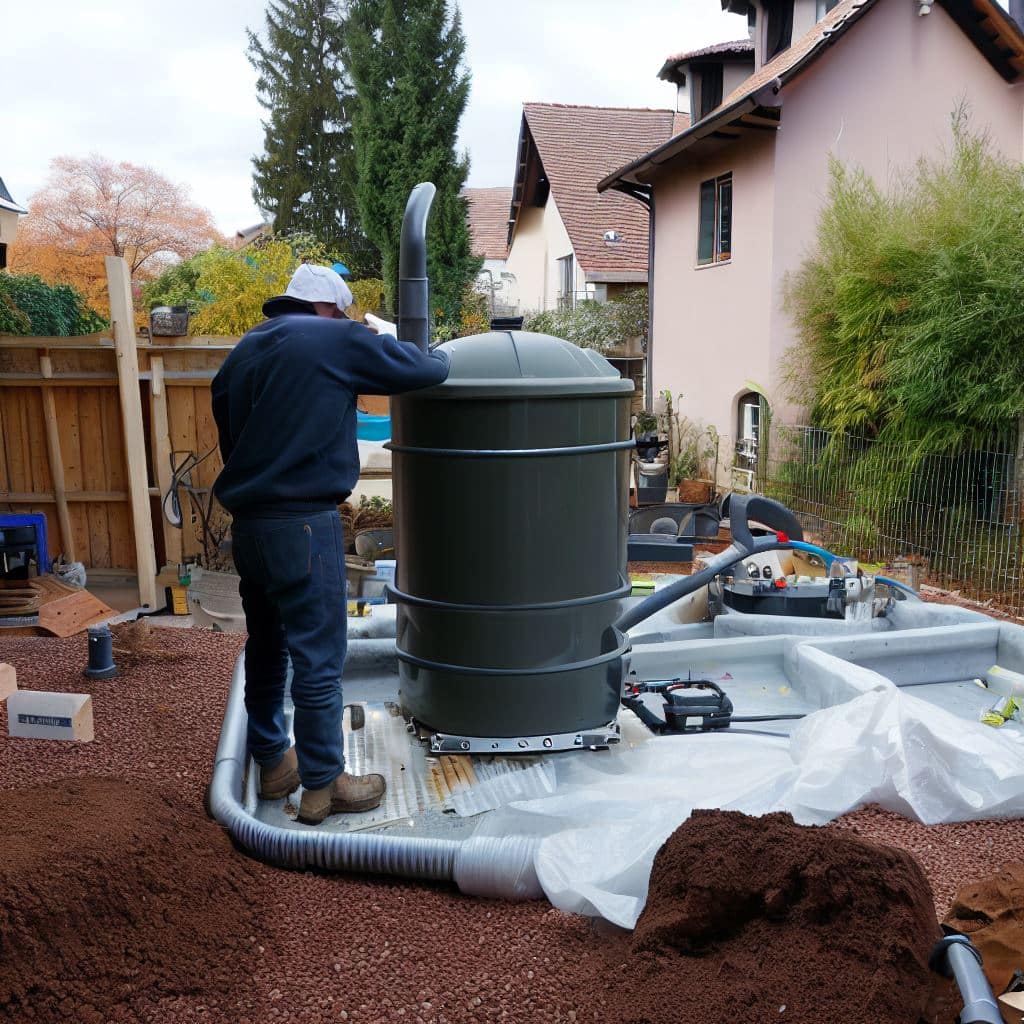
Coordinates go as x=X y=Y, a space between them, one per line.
x=404 y=59
x=306 y=176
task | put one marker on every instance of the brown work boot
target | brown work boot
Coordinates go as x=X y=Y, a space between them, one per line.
x=278 y=781
x=347 y=794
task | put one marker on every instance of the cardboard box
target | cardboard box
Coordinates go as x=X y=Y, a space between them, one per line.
x=41 y=715
x=8 y=681
x=1011 y=1006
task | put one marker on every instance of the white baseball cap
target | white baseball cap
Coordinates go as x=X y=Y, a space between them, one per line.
x=310 y=283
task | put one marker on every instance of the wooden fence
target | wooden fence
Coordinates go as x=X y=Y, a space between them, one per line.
x=88 y=428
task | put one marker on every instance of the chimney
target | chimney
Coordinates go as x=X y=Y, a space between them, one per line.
x=1017 y=12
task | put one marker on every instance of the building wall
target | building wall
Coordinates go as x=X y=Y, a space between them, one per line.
x=8 y=226
x=539 y=242
x=881 y=98
x=711 y=323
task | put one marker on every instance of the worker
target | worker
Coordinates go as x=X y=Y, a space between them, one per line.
x=285 y=406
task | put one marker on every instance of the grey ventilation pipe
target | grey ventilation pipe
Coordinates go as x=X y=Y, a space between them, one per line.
x=413 y=287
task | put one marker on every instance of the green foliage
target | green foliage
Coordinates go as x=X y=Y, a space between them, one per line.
x=692 y=448
x=177 y=286
x=598 y=325
x=405 y=61
x=305 y=178
x=29 y=306
x=368 y=294
x=646 y=423
x=909 y=311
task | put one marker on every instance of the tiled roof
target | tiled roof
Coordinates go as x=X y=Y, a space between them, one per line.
x=737 y=48
x=578 y=146
x=7 y=200
x=487 y=210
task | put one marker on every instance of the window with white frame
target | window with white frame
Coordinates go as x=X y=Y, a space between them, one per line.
x=714 y=233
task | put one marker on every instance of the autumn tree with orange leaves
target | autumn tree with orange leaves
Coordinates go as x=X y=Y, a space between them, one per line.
x=93 y=208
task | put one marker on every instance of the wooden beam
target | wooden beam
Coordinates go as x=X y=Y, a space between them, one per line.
x=161 y=432
x=56 y=462
x=49 y=498
x=35 y=380
x=122 y=317
x=99 y=339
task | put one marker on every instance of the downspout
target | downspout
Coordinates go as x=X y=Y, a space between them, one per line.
x=645 y=194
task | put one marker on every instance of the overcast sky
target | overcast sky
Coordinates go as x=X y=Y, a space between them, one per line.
x=169 y=85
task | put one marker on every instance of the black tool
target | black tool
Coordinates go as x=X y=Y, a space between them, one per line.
x=699 y=699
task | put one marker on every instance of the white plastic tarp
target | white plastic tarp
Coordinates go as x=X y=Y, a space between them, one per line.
x=594 y=838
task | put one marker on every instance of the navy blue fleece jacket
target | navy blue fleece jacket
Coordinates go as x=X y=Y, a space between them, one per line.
x=285 y=406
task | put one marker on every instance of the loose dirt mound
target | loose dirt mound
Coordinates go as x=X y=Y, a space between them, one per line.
x=760 y=919
x=112 y=897
x=991 y=912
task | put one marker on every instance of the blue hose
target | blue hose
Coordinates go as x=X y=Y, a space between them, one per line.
x=813 y=549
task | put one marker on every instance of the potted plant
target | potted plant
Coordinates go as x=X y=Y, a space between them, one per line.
x=691 y=451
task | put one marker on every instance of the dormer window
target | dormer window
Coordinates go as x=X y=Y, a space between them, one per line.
x=711 y=82
x=779 y=31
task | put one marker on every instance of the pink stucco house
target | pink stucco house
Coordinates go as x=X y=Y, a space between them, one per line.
x=736 y=195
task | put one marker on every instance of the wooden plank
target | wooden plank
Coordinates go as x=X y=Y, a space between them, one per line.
x=123 y=320
x=5 y=482
x=41 y=342
x=23 y=444
x=94 y=475
x=74 y=497
x=81 y=380
x=181 y=411
x=56 y=460
x=72 y=613
x=161 y=433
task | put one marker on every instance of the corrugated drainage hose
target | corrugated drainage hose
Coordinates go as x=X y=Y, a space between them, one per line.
x=404 y=856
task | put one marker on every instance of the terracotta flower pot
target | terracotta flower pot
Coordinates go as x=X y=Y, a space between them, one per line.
x=694 y=492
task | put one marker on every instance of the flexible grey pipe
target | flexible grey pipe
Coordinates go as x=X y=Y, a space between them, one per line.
x=404 y=856
x=413 y=286
x=955 y=956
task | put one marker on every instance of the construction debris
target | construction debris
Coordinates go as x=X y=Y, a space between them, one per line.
x=8 y=681
x=43 y=715
x=137 y=642
x=991 y=912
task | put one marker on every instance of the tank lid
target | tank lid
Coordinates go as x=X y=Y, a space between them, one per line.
x=505 y=362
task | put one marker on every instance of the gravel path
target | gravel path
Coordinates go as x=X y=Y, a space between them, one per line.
x=337 y=948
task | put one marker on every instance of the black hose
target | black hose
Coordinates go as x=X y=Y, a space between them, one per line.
x=413 y=286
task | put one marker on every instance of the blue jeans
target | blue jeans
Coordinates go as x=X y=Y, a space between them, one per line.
x=293 y=591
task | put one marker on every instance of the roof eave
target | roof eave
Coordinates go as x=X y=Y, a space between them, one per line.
x=767 y=96
x=12 y=207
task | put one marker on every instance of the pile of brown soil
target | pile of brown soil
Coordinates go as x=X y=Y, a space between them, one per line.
x=762 y=919
x=991 y=912
x=113 y=897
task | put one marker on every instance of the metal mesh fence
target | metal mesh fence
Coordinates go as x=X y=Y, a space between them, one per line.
x=952 y=520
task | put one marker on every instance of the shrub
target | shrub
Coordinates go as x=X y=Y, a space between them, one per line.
x=30 y=306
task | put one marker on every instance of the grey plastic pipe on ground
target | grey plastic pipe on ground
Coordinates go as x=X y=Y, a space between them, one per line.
x=497 y=867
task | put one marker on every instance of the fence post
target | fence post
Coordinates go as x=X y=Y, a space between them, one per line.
x=123 y=321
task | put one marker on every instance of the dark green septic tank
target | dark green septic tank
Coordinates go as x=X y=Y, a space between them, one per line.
x=511 y=485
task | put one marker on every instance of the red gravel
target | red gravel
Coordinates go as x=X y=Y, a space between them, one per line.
x=337 y=948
